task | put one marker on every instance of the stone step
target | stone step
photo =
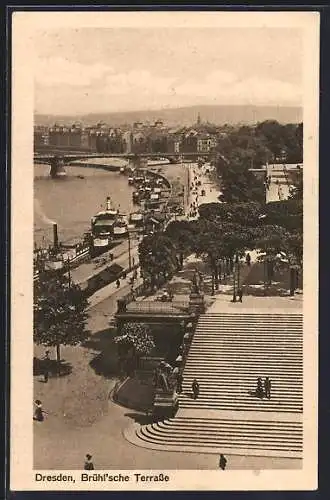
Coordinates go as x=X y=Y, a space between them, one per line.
x=236 y=365
x=254 y=318
x=227 y=354
x=242 y=382
x=241 y=350
x=242 y=437
x=260 y=439
x=228 y=383
x=218 y=425
x=244 y=385
x=246 y=333
x=205 y=396
x=214 y=330
x=207 y=406
x=253 y=315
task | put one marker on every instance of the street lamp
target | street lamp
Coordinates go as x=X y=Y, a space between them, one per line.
x=129 y=251
x=235 y=289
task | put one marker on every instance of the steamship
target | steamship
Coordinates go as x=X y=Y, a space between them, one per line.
x=106 y=226
x=60 y=256
x=102 y=225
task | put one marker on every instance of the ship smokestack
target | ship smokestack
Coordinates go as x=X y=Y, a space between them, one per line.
x=55 y=236
x=108 y=203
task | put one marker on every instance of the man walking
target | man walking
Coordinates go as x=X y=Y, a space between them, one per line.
x=46 y=362
x=195 y=389
x=222 y=462
x=240 y=294
x=88 y=465
x=259 y=390
x=118 y=283
x=267 y=387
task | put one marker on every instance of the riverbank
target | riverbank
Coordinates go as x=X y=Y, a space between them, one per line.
x=124 y=255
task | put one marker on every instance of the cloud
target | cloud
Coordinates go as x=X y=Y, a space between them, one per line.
x=138 y=81
x=87 y=87
x=59 y=71
x=222 y=86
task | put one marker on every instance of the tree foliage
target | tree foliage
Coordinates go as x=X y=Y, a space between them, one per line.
x=285 y=213
x=158 y=258
x=135 y=341
x=60 y=315
x=249 y=147
x=242 y=213
x=136 y=336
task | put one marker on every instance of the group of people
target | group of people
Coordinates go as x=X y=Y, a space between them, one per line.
x=124 y=276
x=263 y=387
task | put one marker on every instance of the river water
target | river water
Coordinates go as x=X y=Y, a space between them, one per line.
x=72 y=201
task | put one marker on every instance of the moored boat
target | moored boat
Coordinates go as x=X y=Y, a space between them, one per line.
x=120 y=228
x=102 y=226
x=136 y=218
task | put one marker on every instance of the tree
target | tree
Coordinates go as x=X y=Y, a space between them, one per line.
x=158 y=258
x=60 y=315
x=182 y=233
x=134 y=342
x=285 y=213
x=271 y=240
x=238 y=183
x=244 y=214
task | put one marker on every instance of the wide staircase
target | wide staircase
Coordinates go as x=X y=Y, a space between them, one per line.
x=228 y=353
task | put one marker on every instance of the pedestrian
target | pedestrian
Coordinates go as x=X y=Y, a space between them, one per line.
x=88 y=465
x=118 y=283
x=39 y=412
x=111 y=256
x=240 y=294
x=248 y=259
x=267 y=387
x=195 y=389
x=222 y=462
x=259 y=390
x=46 y=362
x=179 y=383
x=124 y=275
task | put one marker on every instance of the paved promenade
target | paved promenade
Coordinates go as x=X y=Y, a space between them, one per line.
x=81 y=274
x=82 y=419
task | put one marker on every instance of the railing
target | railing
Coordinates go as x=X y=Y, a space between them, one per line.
x=176 y=307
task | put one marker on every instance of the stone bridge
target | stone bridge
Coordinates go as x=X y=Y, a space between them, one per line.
x=58 y=159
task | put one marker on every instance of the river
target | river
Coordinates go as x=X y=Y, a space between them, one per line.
x=72 y=201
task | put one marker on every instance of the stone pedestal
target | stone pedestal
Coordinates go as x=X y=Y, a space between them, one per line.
x=196 y=303
x=165 y=404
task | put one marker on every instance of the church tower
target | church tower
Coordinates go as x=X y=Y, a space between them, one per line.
x=199 y=121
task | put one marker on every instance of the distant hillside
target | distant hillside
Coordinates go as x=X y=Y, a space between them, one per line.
x=218 y=115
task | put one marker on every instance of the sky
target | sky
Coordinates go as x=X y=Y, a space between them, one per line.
x=93 y=70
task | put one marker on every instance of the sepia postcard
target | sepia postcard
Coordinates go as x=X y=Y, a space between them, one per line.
x=164 y=276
